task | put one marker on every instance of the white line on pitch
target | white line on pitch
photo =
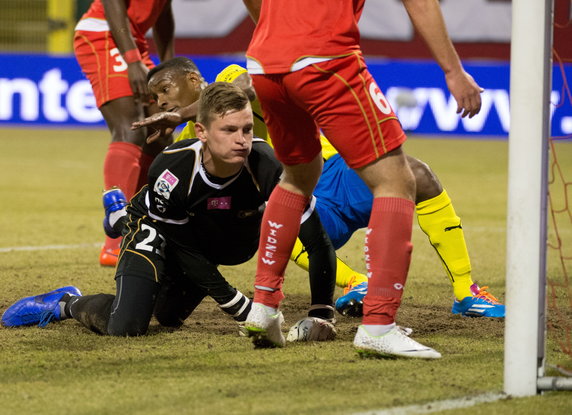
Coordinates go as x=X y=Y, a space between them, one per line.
x=437 y=406
x=48 y=247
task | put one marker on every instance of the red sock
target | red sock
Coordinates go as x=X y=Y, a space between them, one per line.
x=121 y=169
x=112 y=244
x=279 y=229
x=387 y=255
x=144 y=164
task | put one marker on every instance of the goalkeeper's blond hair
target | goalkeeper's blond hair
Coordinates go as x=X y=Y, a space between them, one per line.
x=219 y=98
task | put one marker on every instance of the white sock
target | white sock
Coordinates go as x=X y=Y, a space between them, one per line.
x=62 y=304
x=115 y=216
x=268 y=309
x=378 y=329
x=63 y=314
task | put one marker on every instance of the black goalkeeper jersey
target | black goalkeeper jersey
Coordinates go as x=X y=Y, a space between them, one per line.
x=219 y=218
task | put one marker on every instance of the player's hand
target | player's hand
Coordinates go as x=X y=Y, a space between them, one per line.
x=465 y=91
x=137 y=73
x=163 y=124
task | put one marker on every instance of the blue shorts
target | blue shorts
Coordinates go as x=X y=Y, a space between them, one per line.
x=343 y=201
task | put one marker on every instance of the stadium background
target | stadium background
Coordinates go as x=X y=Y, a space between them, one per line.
x=42 y=84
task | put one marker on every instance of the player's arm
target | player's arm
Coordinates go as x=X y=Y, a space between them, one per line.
x=253 y=7
x=116 y=16
x=164 y=123
x=164 y=33
x=166 y=198
x=428 y=20
x=244 y=82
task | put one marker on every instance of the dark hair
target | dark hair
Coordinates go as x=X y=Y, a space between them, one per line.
x=178 y=64
x=217 y=99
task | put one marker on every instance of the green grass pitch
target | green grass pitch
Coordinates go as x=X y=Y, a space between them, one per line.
x=50 y=195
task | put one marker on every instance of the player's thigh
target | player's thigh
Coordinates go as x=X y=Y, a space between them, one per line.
x=143 y=251
x=177 y=298
x=139 y=269
x=132 y=307
x=336 y=227
x=343 y=201
x=349 y=108
x=119 y=114
x=205 y=275
x=295 y=136
x=356 y=210
x=341 y=184
x=103 y=65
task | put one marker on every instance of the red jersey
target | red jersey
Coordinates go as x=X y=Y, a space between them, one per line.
x=142 y=14
x=291 y=30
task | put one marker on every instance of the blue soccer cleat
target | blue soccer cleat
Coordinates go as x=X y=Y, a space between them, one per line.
x=40 y=309
x=480 y=304
x=351 y=303
x=113 y=201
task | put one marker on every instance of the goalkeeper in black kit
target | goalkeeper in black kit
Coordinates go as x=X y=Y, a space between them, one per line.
x=202 y=208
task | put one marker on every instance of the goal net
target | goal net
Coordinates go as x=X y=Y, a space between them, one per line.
x=539 y=218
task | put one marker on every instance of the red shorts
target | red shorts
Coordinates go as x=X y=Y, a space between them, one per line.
x=101 y=62
x=338 y=97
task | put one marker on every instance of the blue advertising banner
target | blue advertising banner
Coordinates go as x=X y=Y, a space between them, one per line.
x=51 y=91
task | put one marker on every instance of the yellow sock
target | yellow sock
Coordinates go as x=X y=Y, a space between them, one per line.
x=437 y=218
x=345 y=276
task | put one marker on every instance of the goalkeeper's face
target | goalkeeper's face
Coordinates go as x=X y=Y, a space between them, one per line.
x=227 y=141
x=174 y=89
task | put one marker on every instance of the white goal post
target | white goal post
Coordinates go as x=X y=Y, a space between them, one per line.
x=530 y=86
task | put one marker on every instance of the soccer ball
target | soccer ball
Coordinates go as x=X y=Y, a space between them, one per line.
x=311 y=329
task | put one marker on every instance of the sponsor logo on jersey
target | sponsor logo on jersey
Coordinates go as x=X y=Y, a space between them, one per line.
x=223 y=203
x=165 y=184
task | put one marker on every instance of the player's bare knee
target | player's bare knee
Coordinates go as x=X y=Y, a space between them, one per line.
x=427 y=183
x=119 y=114
x=302 y=178
x=125 y=135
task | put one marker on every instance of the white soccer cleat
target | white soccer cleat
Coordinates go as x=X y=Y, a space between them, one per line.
x=311 y=329
x=265 y=327
x=394 y=343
